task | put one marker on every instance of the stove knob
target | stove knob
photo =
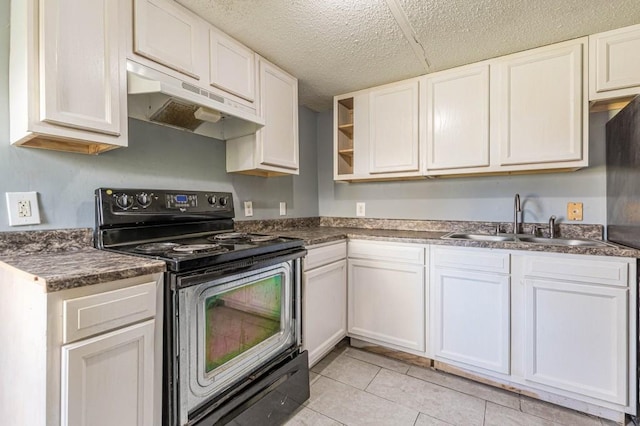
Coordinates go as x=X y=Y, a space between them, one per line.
x=212 y=200
x=144 y=200
x=223 y=201
x=124 y=201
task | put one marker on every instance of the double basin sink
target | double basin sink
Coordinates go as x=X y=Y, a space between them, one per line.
x=525 y=238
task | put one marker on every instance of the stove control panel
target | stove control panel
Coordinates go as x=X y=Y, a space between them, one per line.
x=149 y=204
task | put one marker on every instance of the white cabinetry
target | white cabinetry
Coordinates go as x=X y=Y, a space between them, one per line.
x=67 y=76
x=324 y=299
x=614 y=63
x=231 y=65
x=457 y=123
x=386 y=297
x=576 y=326
x=378 y=134
x=394 y=139
x=470 y=308
x=90 y=355
x=273 y=150
x=109 y=379
x=168 y=34
x=540 y=113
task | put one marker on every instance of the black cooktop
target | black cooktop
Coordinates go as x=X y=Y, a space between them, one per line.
x=187 y=229
x=182 y=254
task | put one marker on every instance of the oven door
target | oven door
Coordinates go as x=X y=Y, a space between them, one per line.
x=229 y=327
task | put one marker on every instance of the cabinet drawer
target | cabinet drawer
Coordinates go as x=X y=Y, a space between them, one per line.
x=90 y=315
x=583 y=270
x=478 y=260
x=387 y=251
x=325 y=254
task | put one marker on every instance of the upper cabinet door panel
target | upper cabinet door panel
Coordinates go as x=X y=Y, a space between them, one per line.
x=615 y=59
x=279 y=102
x=394 y=137
x=231 y=65
x=165 y=33
x=541 y=105
x=457 y=116
x=80 y=64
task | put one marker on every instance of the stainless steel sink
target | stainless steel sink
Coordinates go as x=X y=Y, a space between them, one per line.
x=523 y=238
x=478 y=237
x=562 y=241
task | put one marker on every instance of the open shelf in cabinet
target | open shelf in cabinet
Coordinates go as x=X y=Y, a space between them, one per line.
x=344 y=136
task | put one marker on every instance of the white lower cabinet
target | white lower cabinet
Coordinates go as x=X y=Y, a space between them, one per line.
x=324 y=299
x=109 y=379
x=387 y=300
x=85 y=356
x=561 y=326
x=576 y=332
x=470 y=306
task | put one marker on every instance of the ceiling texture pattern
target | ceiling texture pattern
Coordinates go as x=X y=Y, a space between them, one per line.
x=338 y=46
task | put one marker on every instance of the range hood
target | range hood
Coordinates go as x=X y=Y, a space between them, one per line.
x=159 y=98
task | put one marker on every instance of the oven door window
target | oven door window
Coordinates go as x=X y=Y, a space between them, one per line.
x=232 y=326
x=240 y=319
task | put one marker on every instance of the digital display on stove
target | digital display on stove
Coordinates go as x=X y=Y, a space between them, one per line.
x=177 y=201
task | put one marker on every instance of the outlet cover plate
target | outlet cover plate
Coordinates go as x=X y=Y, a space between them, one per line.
x=574 y=211
x=360 y=209
x=248 y=208
x=283 y=208
x=29 y=201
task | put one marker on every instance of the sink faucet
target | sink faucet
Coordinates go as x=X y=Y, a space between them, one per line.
x=516 y=209
x=552 y=227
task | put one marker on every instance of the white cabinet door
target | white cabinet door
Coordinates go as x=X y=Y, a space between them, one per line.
x=231 y=65
x=109 y=380
x=614 y=63
x=540 y=114
x=278 y=144
x=168 y=34
x=387 y=303
x=80 y=65
x=471 y=318
x=457 y=123
x=394 y=142
x=324 y=309
x=576 y=338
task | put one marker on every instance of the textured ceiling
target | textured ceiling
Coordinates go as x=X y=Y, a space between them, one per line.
x=337 y=46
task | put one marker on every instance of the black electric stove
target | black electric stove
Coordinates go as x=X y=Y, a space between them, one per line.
x=186 y=229
x=193 y=232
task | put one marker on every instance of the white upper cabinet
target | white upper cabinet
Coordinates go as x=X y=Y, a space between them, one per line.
x=541 y=115
x=273 y=150
x=457 y=119
x=614 y=63
x=231 y=65
x=168 y=34
x=279 y=107
x=378 y=133
x=394 y=140
x=67 y=76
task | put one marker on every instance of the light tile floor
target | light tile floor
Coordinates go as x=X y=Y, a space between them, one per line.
x=353 y=387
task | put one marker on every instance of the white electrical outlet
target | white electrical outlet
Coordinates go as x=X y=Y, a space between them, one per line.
x=23 y=208
x=248 y=208
x=360 y=209
x=283 y=208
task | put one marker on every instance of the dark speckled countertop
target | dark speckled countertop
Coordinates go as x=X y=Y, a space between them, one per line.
x=430 y=232
x=63 y=259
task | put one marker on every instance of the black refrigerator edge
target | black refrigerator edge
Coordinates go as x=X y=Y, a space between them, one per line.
x=623 y=176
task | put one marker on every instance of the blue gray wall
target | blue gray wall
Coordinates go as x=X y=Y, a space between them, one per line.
x=474 y=198
x=157 y=157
